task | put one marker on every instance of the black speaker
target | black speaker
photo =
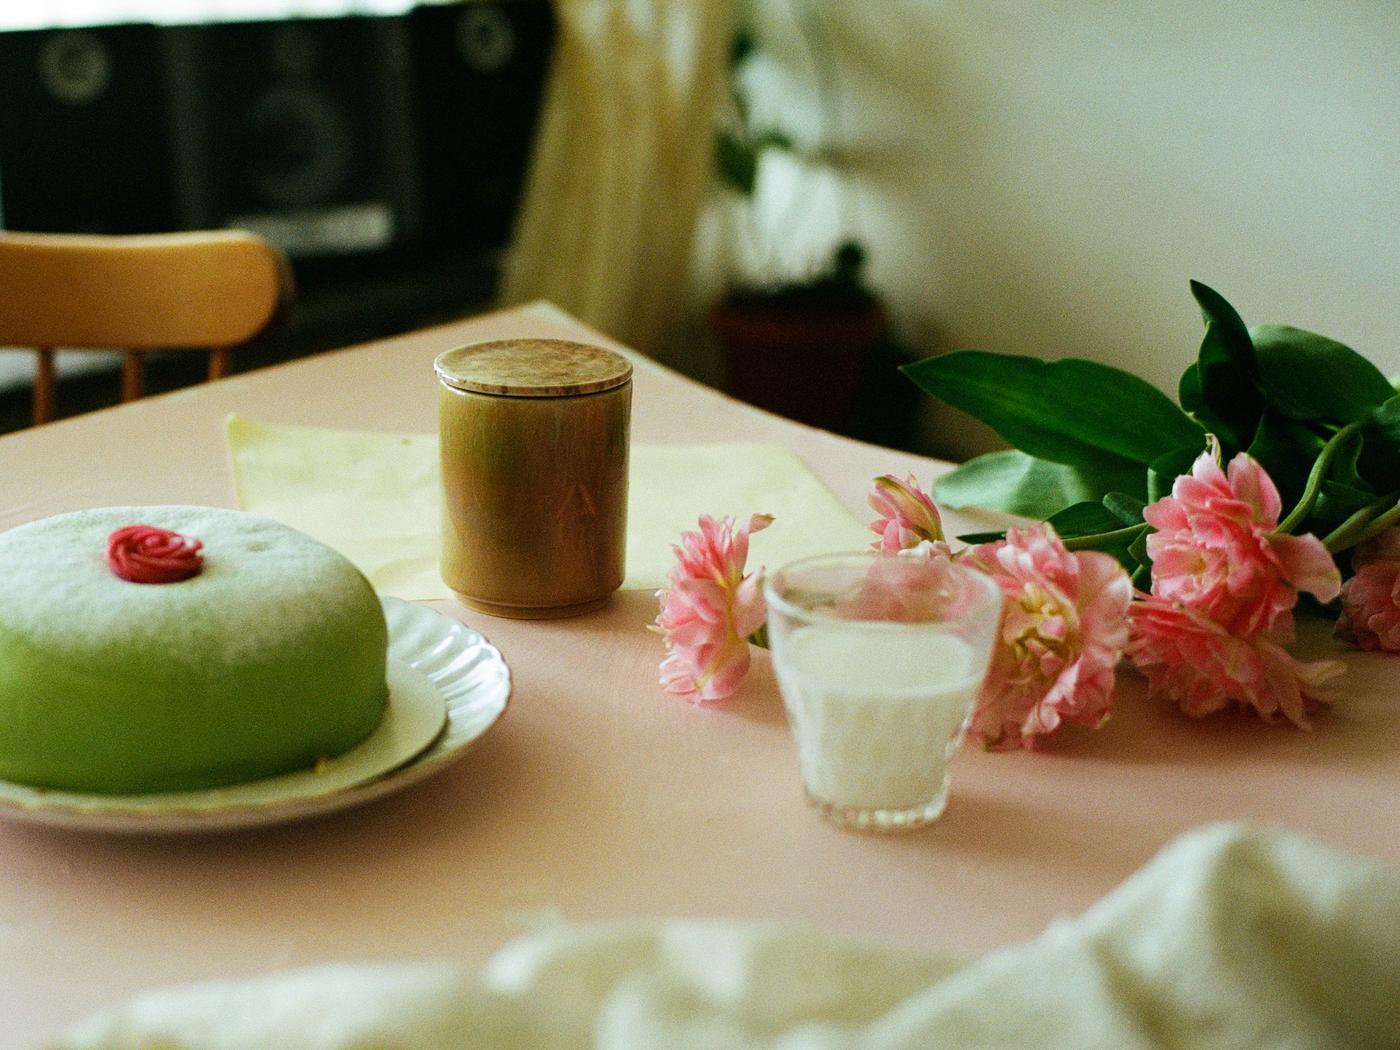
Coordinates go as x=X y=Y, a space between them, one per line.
x=479 y=72
x=330 y=136
x=304 y=133
x=86 y=120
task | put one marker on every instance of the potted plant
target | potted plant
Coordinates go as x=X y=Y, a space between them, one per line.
x=797 y=346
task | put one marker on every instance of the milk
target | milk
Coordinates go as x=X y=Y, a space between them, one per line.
x=877 y=710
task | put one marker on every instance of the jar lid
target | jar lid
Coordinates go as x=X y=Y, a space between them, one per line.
x=532 y=368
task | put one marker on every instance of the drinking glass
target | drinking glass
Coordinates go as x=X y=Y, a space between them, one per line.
x=879 y=658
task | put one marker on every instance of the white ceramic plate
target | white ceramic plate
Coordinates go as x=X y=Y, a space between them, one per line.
x=439 y=671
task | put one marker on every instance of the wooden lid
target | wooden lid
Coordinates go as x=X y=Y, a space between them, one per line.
x=532 y=368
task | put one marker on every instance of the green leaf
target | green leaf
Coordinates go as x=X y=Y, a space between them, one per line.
x=1287 y=450
x=1193 y=400
x=1379 y=459
x=1117 y=542
x=1337 y=501
x=1142 y=576
x=1308 y=376
x=1086 y=526
x=772 y=138
x=1070 y=411
x=1216 y=310
x=1189 y=393
x=973 y=538
x=1087 y=518
x=741 y=46
x=1127 y=509
x=1229 y=387
x=1384 y=421
x=1347 y=466
x=738 y=151
x=737 y=162
x=1167 y=468
x=1016 y=483
x=1336 y=446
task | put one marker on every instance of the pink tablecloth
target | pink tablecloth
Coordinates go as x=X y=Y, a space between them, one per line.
x=597 y=796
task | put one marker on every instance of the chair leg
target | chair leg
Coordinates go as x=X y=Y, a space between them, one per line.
x=44 y=386
x=219 y=363
x=133 y=375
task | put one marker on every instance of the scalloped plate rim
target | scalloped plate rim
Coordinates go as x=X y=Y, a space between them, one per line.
x=492 y=697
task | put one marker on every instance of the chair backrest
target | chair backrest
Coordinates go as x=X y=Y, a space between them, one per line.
x=208 y=290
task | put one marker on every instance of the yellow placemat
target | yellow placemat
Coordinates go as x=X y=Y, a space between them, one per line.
x=374 y=497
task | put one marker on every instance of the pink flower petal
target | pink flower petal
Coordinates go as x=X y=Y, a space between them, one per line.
x=709 y=610
x=1251 y=483
x=1063 y=630
x=1215 y=552
x=1199 y=664
x=1371 y=598
x=908 y=515
x=1307 y=566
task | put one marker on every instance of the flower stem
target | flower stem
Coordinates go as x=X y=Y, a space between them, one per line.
x=1371 y=527
x=1314 y=484
x=1350 y=531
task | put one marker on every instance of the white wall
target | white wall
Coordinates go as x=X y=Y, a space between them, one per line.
x=1045 y=177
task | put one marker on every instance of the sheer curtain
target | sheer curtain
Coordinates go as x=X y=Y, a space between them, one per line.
x=622 y=163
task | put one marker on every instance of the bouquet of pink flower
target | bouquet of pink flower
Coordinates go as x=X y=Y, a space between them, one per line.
x=1164 y=535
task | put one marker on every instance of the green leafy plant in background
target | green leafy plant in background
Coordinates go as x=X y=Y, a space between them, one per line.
x=741 y=142
x=1093 y=445
x=799 y=331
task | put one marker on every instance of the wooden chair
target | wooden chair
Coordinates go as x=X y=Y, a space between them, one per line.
x=208 y=291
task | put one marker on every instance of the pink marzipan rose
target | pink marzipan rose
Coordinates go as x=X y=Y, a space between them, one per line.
x=1214 y=550
x=908 y=517
x=1063 y=629
x=1371 y=598
x=1193 y=660
x=710 y=609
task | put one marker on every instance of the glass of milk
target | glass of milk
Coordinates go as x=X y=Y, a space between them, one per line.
x=879 y=658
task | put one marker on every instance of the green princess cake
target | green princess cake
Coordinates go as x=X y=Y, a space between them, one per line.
x=149 y=649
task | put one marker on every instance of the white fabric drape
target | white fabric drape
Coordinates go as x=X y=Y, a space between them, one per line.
x=1234 y=936
x=622 y=161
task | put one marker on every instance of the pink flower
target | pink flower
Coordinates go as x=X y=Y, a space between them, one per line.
x=908 y=518
x=710 y=609
x=1195 y=661
x=917 y=589
x=1371 y=598
x=1214 y=550
x=1064 y=626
